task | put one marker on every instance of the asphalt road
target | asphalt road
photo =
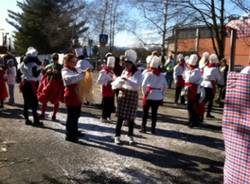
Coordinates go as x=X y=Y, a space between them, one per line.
x=177 y=154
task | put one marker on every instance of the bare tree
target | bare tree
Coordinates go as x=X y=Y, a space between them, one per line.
x=106 y=17
x=243 y=5
x=161 y=16
x=212 y=14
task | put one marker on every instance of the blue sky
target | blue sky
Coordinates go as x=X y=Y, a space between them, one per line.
x=11 y=5
x=4 y=6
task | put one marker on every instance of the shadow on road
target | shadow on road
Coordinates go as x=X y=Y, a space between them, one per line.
x=162 y=158
x=86 y=176
x=11 y=113
x=197 y=139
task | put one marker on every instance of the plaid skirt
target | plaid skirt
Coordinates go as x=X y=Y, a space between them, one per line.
x=236 y=129
x=127 y=103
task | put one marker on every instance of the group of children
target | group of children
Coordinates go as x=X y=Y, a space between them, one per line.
x=126 y=88
x=121 y=83
x=197 y=81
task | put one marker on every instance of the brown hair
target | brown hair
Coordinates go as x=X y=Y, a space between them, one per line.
x=67 y=58
x=155 y=53
x=223 y=60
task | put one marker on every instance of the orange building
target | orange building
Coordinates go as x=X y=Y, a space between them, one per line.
x=198 y=40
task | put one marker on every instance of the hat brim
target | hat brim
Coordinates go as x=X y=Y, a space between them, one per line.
x=128 y=61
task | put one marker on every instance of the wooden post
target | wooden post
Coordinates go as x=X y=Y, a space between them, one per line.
x=232 y=49
x=175 y=42
x=197 y=44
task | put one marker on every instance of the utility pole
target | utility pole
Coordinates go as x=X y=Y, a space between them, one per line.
x=102 y=47
x=110 y=26
x=232 y=49
x=165 y=16
x=197 y=41
x=104 y=16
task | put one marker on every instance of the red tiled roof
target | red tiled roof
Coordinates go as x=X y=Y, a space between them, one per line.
x=242 y=27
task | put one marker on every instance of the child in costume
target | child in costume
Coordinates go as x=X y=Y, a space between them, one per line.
x=106 y=76
x=71 y=80
x=30 y=69
x=11 y=79
x=154 y=86
x=129 y=85
x=179 y=70
x=51 y=87
x=3 y=88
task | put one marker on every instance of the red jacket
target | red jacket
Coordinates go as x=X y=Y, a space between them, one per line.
x=71 y=79
x=107 y=89
x=71 y=96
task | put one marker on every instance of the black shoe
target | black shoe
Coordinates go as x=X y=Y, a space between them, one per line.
x=53 y=118
x=71 y=139
x=28 y=122
x=11 y=103
x=38 y=124
x=41 y=116
x=191 y=125
x=210 y=116
x=153 y=131
x=80 y=134
x=201 y=119
x=143 y=129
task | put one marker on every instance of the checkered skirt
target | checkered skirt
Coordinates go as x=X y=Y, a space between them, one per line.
x=127 y=103
x=236 y=129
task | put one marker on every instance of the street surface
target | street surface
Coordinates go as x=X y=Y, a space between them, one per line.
x=177 y=154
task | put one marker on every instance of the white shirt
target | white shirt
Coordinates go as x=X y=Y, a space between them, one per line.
x=71 y=77
x=11 y=75
x=246 y=70
x=104 y=78
x=26 y=70
x=193 y=76
x=144 y=73
x=154 y=81
x=133 y=82
x=178 y=71
x=211 y=74
x=84 y=64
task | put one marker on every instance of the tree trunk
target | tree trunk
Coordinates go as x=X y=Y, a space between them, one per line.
x=165 y=16
x=222 y=31
x=104 y=16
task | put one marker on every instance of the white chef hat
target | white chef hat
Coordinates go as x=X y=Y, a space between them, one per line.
x=31 y=51
x=131 y=56
x=203 y=60
x=149 y=59
x=111 y=61
x=193 y=60
x=79 y=52
x=155 y=62
x=213 y=59
x=108 y=54
x=205 y=55
x=180 y=57
x=186 y=58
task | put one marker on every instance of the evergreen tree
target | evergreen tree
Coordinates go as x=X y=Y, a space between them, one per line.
x=48 y=25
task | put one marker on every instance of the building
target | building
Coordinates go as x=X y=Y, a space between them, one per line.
x=197 y=39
